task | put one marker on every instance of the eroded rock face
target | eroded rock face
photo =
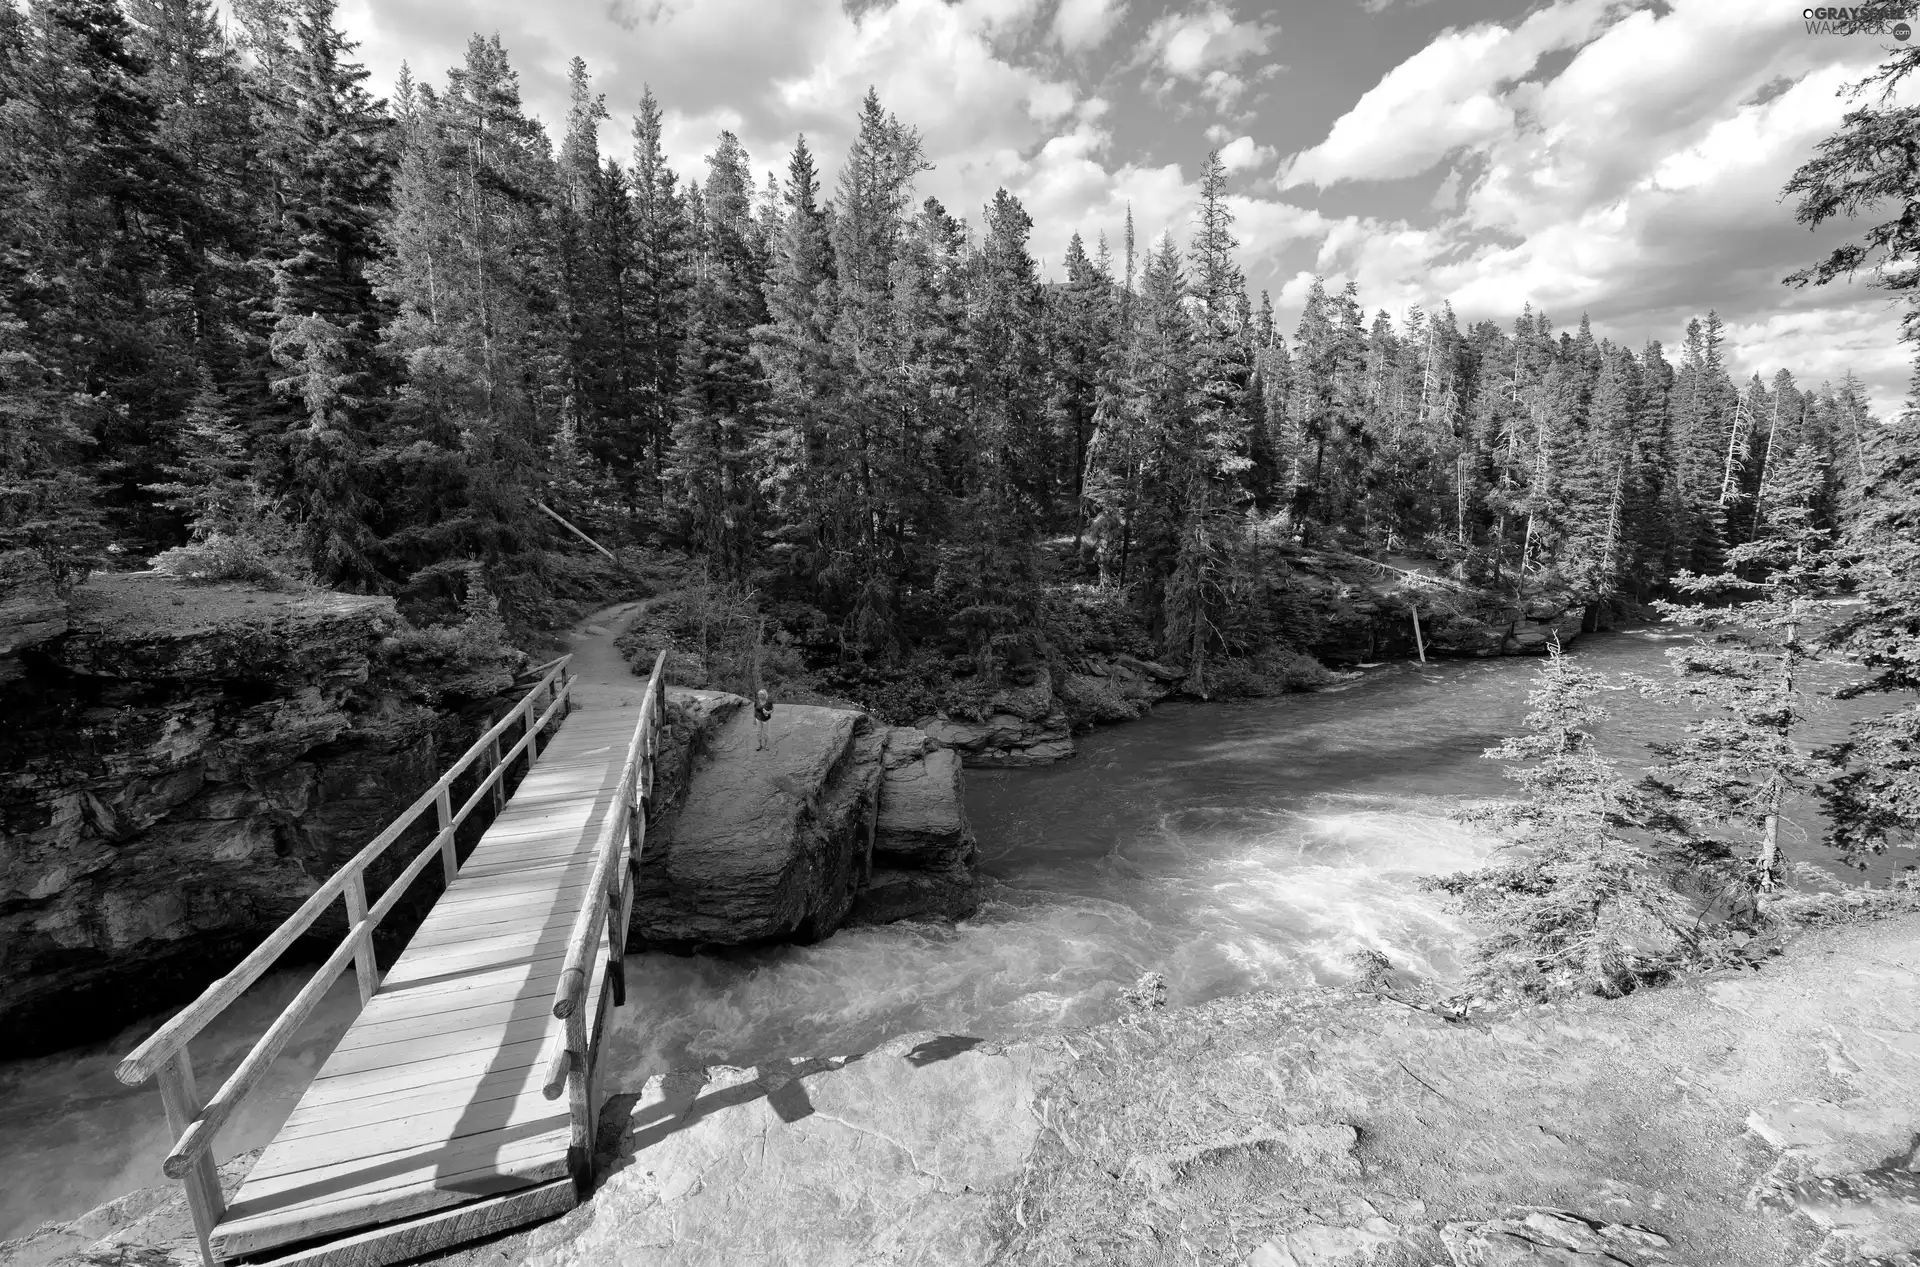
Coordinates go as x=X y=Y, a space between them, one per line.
x=1019 y=726
x=31 y=609
x=837 y=819
x=185 y=765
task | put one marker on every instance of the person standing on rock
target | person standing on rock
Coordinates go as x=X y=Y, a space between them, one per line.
x=762 y=706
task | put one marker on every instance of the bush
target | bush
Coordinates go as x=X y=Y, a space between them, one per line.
x=229 y=557
x=468 y=660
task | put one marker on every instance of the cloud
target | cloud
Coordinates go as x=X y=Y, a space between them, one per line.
x=1192 y=45
x=1080 y=25
x=1639 y=184
x=1242 y=153
x=1447 y=96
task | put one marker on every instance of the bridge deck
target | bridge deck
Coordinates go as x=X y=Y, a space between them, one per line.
x=432 y=1098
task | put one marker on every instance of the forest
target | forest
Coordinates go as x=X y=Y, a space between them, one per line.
x=252 y=309
x=257 y=322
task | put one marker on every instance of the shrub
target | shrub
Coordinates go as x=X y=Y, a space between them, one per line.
x=225 y=556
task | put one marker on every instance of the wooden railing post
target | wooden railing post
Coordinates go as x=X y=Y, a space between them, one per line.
x=204 y=1199
x=443 y=810
x=365 y=970
x=579 y=1102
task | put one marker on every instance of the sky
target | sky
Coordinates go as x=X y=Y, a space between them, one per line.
x=1621 y=159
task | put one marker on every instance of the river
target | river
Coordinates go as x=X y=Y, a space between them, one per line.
x=1229 y=847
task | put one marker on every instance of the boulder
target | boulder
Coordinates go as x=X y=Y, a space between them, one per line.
x=752 y=845
x=922 y=821
x=761 y=845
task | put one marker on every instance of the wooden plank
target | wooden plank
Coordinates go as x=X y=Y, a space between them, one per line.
x=416 y=1192
x=529 y=980
x=406 y=1041
x=510 y=941
x=398 y=1242
x=447 y=1013
x=395 y=1104
x=483 y=1070
x=432 y=1164
x=425 y=1048
x=477 y=888
x=446 y=1127
x=497 y=921
x=500 y=976
x=453 y=967
x=461 y=904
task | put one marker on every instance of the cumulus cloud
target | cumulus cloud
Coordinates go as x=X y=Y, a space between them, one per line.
x=1453 y=93
x=1080 y=25
x=1640 y=184
x=1194 y=44
x=1243 y=153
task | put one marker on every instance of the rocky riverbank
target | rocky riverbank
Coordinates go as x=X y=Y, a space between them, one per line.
x=1745 y=1119
x=183 y=765
x=1349 y=612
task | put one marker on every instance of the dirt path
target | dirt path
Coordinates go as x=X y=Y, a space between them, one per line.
x=602 y=677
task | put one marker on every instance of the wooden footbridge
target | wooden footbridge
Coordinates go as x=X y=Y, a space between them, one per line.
x=462 y=1100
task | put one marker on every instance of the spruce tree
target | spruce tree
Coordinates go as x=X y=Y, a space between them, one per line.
x=723 y=390
x=1724 y=785
x=1873 y=801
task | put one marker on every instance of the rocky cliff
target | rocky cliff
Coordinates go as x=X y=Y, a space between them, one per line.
x=183 y=765
x=837 y=819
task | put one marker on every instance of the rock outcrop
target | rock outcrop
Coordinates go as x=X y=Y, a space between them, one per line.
x=838 y=819
x=31 y=608
x=1744 y=1120
x=183 y=765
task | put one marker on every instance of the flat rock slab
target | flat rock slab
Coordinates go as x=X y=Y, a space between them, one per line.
x=893 y=1157
x=1731 y=1121
x=732 y=861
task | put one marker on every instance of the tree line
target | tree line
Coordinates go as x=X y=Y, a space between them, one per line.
x=245 y=304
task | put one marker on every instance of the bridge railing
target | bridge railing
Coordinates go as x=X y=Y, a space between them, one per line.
x=194 y=1122
x=609 y=906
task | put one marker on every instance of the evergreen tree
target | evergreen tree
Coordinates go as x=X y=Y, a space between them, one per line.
x=795 y=350
x=722 y=387
x=1584 y=908
x=326 y=142
x=1874 y=799
x=1725 y=783
x=660 y=279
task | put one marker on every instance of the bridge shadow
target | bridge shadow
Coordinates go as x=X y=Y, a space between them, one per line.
x=628 y=1131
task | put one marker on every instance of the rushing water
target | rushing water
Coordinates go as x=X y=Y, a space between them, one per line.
x=1228 y=847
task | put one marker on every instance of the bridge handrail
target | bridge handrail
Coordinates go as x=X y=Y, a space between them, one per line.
x=193 y=1123
x=145 y=1060
x=624 y=833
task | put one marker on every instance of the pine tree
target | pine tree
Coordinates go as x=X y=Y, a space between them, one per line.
x=470 y=273
x=1724 y=785
x=1874 y=799
x=327 y=146
x=661 y=279
x=1584 y=909
x=722 y=388
x=795 y=351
